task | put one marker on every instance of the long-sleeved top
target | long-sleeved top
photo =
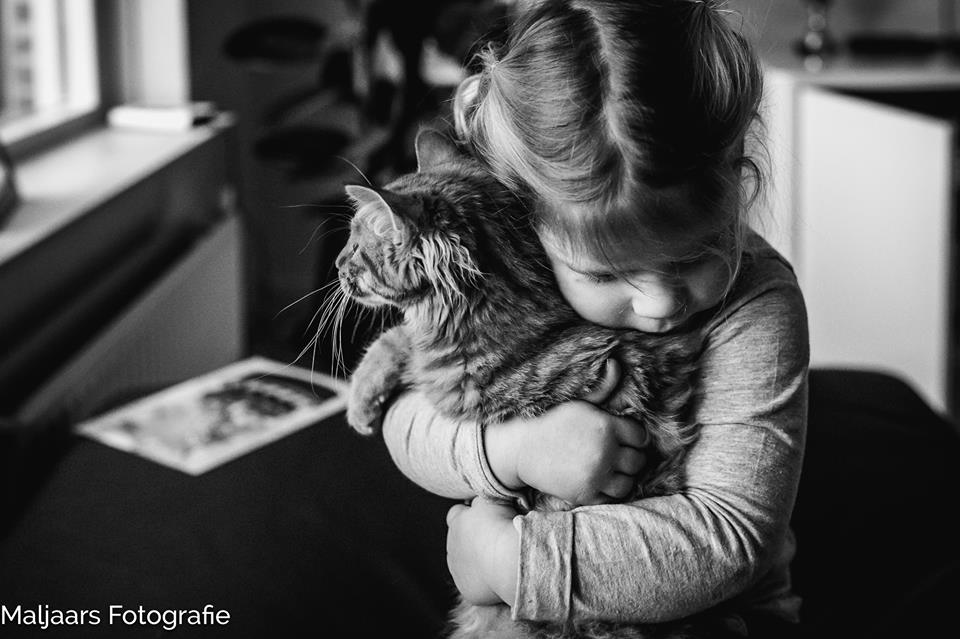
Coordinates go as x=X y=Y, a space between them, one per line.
x=724 y=539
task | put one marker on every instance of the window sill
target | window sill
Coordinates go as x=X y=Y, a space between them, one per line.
x=61 y=185
x=20 y=132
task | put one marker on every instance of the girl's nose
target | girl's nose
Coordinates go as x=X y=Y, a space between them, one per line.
x=661 y=298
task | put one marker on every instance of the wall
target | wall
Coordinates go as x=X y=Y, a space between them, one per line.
x=777 y=23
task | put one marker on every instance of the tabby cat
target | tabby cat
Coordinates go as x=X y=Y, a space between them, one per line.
x=486 y=334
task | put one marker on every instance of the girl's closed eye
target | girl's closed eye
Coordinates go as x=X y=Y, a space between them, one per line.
x=601 y=278
x=684 y=265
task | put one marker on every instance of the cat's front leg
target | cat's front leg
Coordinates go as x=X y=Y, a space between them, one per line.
x=378 y=375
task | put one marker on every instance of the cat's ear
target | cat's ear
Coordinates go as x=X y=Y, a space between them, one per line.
x=434 y=149
x=409 y=208
x=401 y=211
x=361 y=196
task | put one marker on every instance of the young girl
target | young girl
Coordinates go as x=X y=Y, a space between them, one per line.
x=624 y=122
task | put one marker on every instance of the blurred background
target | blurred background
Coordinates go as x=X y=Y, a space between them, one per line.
x=260 y=112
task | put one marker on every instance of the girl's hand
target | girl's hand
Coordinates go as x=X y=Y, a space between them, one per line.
x=483 y=550
x=574 y=451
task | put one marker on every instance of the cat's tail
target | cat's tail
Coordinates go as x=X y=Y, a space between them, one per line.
x=484 y=622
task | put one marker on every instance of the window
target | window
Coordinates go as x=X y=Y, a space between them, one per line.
x=48 y=65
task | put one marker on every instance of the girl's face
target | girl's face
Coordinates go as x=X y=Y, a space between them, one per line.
x=653 y=296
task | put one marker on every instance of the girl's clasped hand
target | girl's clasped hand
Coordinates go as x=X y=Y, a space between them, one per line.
x=576 y=451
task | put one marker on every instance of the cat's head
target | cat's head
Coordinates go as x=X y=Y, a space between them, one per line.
x=423 y=235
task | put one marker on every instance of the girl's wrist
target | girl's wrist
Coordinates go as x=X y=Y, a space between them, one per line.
x=504 y=565
x=503 y=443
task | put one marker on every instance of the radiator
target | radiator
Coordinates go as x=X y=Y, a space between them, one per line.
x=188 y=322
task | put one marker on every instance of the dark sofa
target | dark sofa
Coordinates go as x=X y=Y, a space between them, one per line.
x=877 y=532
x=319 y=531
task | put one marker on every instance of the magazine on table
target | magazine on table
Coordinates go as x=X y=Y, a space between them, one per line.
x=208 y=420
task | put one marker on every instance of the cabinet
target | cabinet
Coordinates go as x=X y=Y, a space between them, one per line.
x=863 y=203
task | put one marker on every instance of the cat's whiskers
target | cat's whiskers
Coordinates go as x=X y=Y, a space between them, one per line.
x=339 y=319
x=323 y=289
x=327 y=310
x=357 y=169
x=300 y=299
x=338 y=364
x=334 y=317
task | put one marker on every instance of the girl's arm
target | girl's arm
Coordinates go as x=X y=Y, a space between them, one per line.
x=667 y=557
x=443 y=456
x=568 y=452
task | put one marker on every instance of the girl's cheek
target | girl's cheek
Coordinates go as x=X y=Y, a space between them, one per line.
x=710 y=287
x=575 y=294
x=592 y=305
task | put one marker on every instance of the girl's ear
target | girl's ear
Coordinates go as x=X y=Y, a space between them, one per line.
x=434 y=149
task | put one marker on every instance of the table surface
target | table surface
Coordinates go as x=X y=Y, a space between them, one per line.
x=316 y=531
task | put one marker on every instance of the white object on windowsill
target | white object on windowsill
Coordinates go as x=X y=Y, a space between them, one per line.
x=161 y=118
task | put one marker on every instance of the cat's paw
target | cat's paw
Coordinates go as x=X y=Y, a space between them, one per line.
x=364 y=414
x=375 y=380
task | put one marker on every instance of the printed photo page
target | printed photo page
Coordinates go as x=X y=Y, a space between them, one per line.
x=208 y=420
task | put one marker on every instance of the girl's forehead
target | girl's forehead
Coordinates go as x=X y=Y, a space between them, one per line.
x=663 y=226
x=629 y=254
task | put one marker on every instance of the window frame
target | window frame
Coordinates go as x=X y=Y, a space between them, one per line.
x=49 y=127
x=125 y=41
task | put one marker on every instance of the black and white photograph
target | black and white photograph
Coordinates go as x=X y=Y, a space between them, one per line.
x=479 y=319
x=211 y=419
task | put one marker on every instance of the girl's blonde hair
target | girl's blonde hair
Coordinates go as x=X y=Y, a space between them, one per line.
x=620 y=117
